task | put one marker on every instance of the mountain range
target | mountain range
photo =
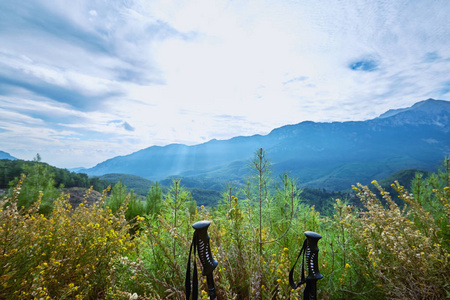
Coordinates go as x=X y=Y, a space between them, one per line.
x=331 y=156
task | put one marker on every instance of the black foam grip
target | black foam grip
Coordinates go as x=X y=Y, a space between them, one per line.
x=203 y=247
x=312 y=252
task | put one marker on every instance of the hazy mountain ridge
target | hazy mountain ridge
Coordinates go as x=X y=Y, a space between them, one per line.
x=327 y=155
x=5 y=155
x=429 y=107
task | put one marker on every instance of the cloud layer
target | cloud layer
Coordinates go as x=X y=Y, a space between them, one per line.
x=84 y=81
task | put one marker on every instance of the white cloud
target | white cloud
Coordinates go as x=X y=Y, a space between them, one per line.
x=190 y=71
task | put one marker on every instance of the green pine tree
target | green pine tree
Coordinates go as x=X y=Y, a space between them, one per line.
x=154 y=200
x=39 y=182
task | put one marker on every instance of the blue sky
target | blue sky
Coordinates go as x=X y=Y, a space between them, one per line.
x=84 y=81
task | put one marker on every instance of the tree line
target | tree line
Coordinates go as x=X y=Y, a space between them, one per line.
x=10 y=171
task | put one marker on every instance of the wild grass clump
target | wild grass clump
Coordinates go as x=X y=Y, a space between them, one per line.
x=69 y=254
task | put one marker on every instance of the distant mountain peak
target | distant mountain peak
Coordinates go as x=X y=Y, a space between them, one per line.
x=429 y=112
x=5 y=155
x=428 y=106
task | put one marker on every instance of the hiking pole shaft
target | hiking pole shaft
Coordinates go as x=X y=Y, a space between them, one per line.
x=211 y=287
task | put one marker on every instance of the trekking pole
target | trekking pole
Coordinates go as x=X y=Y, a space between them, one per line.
x=200 y=241
x=311 y=251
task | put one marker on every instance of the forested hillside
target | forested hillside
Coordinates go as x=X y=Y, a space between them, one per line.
x=12 y=169
x=138 y=184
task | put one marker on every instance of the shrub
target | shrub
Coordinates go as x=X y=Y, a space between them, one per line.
x=68 y=255
x=402 y=250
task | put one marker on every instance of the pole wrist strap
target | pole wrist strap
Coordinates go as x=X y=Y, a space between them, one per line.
x=291 y=273
x=188 y=272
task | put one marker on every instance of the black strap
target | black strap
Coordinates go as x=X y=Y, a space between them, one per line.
x=187 y=283
x=291 y=273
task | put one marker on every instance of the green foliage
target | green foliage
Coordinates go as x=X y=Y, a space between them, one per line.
x=199 y=182
x=10 y=169
x=432 y=194
x=203 y=197
x=178 y=204
x=268 y=213
x=323 y=200
x=139 y=184
x=68 y=255
x=399 y=251
x=376 y=250
x=154 y=200
x=135 y=207
x=39 y=183
x=118 y=197
x=204 y=192
x=404 y=177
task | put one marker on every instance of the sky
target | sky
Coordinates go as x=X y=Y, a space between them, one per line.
x=83 y=81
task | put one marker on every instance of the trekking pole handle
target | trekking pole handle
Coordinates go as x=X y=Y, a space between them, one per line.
x=312 y=252
x=204 y=249
x=204 y=252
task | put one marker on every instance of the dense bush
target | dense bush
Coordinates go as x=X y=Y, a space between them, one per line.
x=399 y=249
x=68 y=255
